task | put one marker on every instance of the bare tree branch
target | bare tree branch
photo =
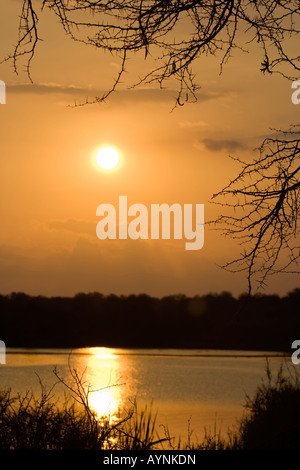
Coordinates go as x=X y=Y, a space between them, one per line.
x=27 y=38
x=261 y=209
x=176 y=32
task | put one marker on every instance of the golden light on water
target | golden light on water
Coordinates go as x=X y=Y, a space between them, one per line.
x=104 y=376
x=103 y=353
x=104 y=402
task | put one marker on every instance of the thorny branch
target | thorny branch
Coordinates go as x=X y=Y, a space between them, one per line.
x=264 y=204
x=174 y=32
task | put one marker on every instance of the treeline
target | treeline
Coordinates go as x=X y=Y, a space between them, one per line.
x=213 y=321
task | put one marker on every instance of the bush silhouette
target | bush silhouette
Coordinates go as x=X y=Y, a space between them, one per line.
x=272 y=422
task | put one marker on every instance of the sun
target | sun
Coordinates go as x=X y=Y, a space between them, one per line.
x=107 y=158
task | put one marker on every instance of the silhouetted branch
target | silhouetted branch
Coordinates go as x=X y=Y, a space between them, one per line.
x=264 y=209
x=28 y=36
x=177 y=33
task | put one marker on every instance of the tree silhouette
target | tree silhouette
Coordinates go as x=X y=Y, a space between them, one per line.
x=266 y=192
x=138 y=321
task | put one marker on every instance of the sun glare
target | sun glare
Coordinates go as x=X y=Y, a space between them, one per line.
x=107 y=158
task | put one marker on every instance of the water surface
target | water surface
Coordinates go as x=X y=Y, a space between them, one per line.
x=188 y=388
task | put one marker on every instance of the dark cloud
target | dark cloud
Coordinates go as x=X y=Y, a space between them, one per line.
x=81 y=93
x=42 y=89
x=281 y=134
x=72 y=225
x=223 y=144
x=156 y=94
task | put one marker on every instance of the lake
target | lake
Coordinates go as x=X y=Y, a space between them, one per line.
x=187 y=388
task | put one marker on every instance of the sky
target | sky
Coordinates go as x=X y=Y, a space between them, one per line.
x=51 y=186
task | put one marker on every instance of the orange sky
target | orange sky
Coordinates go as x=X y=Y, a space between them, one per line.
x=50 y=188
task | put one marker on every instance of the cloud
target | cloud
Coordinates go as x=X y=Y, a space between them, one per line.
x=138 y=94
x=155 y=267
x=192 y=124
x=91 y=93
x=281 y=134
x=230 y=145
x=75 y=226
x=47 y=88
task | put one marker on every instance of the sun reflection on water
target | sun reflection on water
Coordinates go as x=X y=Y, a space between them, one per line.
x=103 y=402
x=104 y=375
